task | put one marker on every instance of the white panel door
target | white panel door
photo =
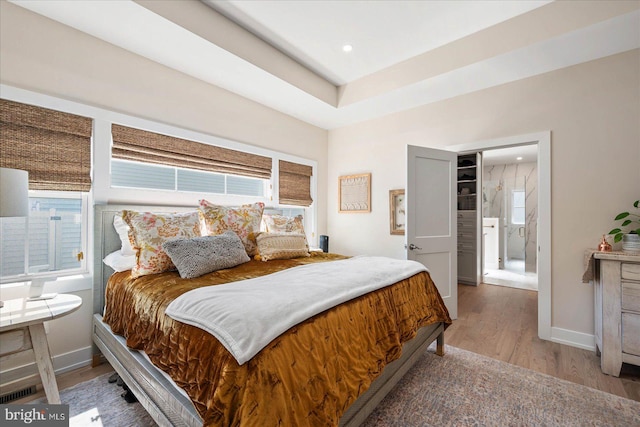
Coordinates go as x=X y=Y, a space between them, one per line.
x=431 y=227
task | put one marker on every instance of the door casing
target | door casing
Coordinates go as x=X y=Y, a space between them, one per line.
x=543 y=142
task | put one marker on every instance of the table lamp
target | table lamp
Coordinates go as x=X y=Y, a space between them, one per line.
x=14 y=194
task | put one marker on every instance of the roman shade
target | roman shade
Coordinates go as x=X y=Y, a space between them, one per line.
x=295 y=184
x=150 y=147
x=54 y=147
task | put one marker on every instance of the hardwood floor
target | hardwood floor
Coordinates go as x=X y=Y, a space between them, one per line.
x=69 y=379
x=502 y=323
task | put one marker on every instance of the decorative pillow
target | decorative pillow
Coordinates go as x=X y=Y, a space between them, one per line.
x=148 y=231
x=201 y=255
x=244 y=221
x=123 y=232
x=283 y=224
x=119 y=262
x=282 y=246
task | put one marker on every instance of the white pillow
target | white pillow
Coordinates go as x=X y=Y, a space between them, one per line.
x=120 y=262
x=123 y=232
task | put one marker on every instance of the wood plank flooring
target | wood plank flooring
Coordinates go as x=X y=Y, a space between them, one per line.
x=69 y=379
x=502 y=323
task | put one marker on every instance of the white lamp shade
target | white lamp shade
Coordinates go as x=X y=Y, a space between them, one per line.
x=14 y=192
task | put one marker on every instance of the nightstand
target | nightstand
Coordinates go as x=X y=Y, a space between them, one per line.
x=22 y=330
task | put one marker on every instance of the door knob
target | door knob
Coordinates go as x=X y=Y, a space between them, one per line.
x=412 y=247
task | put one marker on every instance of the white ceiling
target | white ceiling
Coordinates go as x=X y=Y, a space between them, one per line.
x=382 y=33
x=412 y=51
x=510 y=155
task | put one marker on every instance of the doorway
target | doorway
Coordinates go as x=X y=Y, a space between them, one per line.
x=543 y=141
x=509 y=216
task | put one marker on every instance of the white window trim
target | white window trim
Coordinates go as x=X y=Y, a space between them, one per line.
x=104 y=193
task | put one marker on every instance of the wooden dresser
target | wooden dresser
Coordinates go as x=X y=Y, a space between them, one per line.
x=617 y=310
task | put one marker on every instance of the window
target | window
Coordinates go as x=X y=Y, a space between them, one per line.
x=130 y=174
x=518 y=213
x=55 y=240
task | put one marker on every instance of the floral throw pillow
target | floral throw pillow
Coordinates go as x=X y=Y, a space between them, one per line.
x=148 y=231
x=283 y=224
x=244 y=221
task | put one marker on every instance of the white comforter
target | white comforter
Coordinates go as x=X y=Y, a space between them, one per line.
x=247 y=315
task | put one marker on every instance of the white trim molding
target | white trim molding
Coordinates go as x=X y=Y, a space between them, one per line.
x=61 y=363
x=573 y=338
x=543 y=141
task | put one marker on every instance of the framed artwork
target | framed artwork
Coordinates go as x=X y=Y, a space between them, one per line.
x=354 y=193
x=396 y=211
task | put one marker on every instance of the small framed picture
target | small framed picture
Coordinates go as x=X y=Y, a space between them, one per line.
x=396 y=211
x=354 y=193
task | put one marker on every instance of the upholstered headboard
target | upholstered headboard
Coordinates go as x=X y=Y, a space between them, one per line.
x=106 y=240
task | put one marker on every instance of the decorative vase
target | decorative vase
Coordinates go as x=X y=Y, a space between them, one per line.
x=631 y=243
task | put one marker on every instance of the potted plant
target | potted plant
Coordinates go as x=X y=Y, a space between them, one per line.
x=631 y=237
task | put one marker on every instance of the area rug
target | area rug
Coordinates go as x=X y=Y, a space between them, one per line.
x=467 y=389
x=98 y=403
x=460 y=389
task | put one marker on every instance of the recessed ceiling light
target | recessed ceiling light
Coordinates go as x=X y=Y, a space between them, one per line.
x=518 y=158
x=347 y=48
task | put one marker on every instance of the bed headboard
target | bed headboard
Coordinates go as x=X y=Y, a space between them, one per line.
x=106 y=240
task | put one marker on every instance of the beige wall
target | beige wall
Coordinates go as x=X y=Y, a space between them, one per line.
x=592 y=111
x=43 y=56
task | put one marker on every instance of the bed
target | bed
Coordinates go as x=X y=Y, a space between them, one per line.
x=171 y=406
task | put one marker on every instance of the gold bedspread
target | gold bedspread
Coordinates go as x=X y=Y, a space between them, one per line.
x=307 y=376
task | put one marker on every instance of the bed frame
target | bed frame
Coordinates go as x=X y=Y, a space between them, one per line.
x=164 y=401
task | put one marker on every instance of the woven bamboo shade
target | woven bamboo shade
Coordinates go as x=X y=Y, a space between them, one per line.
x=149 y=147
x=54 y=147
x=295 y=184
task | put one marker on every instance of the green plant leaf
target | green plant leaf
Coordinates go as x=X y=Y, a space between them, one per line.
x=636 y=203
x=626 y=222
x=622 y=215
x=615 y=231
x=617 y=238
x=636 y=231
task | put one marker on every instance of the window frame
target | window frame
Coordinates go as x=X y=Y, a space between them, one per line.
x=84 y=239
x=514 y=207
x=103 y=193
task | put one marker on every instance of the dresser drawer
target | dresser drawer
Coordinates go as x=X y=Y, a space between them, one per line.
x=631 y=333
x=631 y=296
x=631 y=271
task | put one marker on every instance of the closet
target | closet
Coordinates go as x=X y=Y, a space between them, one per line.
x=469 y=217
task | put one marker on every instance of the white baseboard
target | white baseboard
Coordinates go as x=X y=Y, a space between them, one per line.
x=61 y=363
x=573 y=338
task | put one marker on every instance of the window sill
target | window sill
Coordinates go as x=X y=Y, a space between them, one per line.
x=64 y=284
